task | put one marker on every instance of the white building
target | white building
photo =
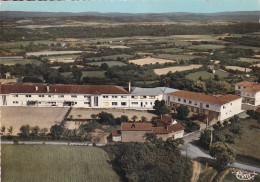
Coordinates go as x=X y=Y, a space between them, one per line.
x=249 y=91
x=218 y=108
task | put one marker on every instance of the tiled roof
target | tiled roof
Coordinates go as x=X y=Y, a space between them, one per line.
x=205 y=98
x=166 y=119
x=116 y=133
x=62 y=89
x=136 y=127
x=168 y=129
x=253 y=89
x=246 y=84
x=152 y=91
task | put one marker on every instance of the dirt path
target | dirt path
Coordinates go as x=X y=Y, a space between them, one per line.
x=196 y=171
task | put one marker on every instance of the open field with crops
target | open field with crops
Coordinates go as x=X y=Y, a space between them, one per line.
x=206 y=75
x=150 y=60
x=55 y=163
x=51 y=53
x=112 y=57
x=177 y=57
x=238 y=68
x=82 y=113
x=249 y=60
x=44 y=117
x=18 y=60
x=109 y=63
x=164 y=71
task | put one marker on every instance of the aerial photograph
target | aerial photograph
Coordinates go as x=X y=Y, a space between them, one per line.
x=130 y=91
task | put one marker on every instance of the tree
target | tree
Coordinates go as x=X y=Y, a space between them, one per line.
x=3 y=129
x=104 y=66
x=222 y=153
x=25 y=130
x=182 y=112
x=143 y=119
x=160 y=107
x=10 y=130
x=134 y=118
x=150 y=137
x=57 y=131
x=43 y=131
x=204 y=139
x=106 y=118
x=35 y=130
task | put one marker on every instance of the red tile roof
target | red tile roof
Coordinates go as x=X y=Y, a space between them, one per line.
x=253 y=89
x=205 y=98
x=116 y=133
x=246 y=84
x=168 y=129
x=62 y=89
x=136 y=127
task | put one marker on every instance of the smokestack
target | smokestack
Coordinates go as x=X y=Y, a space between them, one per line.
x=36 y=88
x=129 y=86
x=48 y=88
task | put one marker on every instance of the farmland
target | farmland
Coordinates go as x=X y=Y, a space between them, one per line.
x=206 y=75
x=206 y=47
x=99 y=74
x=43 y=117
x=113 y=57
x=109 y=63
x=25 y=163
x=164 y=71
x=238 y=68
x=150 y=60
x=250 y=60
x=177 y=57
x=42 y=53
x=18 y=60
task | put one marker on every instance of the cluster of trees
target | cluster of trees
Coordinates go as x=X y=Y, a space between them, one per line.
x=123 y=31
x=150 y=161
x=217 y=141
x=9 y=130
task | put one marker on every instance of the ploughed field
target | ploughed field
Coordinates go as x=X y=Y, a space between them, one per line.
x=163 y=71
x=55 y=163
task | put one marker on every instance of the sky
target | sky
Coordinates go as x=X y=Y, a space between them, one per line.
x=132 y=6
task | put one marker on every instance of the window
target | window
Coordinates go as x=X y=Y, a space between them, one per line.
x=49 y=95
x=190 y=102
x=105 y=96
x=41 y=95
x=231 y=104
x=15 y=95
x=86 y=96
x=143 y=97
x=28 y=96
x=123 y=103
x=152 y=97
x=87 y=103
x=61 y=96
x=238 y=87
x=114 y=103
x=151 y=103
x=179 y=99
x=39 y=102
x=145 y=102
x=15 y=102
x=114 y=96
x=134 y=103
x=195 y=103
x=184 y=100
x=207 y=105
x=134 y=97
x=123 y=96
x=73 y=96
x=224 y=107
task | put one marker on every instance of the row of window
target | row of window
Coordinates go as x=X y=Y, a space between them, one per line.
x=190 y=102
x=60 y=96
x=113 y=96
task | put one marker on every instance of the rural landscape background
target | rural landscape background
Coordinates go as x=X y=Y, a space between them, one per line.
x=199 y=52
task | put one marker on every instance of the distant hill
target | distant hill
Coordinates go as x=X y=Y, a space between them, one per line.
x=239 y=15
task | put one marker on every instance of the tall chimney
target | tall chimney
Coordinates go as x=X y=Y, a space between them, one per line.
x=48 y=88
x=129 y=86
x=36 y=88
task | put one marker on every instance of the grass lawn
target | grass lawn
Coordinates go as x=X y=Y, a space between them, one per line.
x=109 y=63
x=248 y=144
x=206 y=75
x=55 y=163
x=13 y=61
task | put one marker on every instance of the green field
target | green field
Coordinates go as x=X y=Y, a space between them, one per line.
x=206 y=46
x=206 y=75
x=248 y=143
x=13 y=61
x=54 y=163
x=176 y=57
x=170 y=50
x=109 y=63
x=114 y=57
x=99 y=74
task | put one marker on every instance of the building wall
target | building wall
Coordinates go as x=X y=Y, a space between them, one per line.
x=230 y=109
x=133 y=136
x=175 y=135
x=257 y=98
x=178 y=134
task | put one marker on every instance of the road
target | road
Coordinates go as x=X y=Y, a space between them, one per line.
x=194 y=152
